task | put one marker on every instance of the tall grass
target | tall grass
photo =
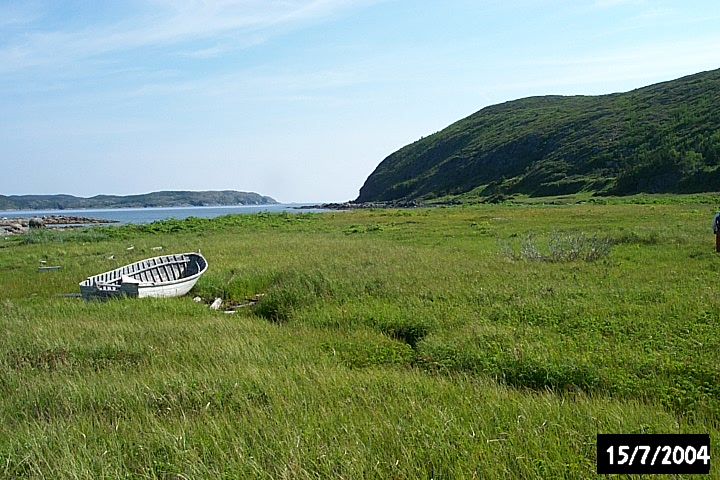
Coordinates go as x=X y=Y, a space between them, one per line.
x=385 y=344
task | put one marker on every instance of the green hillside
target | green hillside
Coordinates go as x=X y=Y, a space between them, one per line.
x=154 y=199
x=664 y=138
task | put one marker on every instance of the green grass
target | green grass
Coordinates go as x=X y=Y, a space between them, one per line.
x=385 y=344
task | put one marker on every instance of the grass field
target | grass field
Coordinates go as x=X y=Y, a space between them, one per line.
x=462 y=342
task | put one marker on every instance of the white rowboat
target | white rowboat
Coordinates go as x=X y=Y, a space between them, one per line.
x=164 y=276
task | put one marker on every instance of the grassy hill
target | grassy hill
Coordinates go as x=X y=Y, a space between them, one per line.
x=154 y=199
x=664 y=138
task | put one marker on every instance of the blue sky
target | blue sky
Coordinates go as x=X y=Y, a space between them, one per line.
x=299 y=99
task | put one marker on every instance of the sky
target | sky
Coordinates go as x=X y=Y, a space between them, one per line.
x=299 y=99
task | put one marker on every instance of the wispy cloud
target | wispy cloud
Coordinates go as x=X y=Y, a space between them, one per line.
x=617 y=3
x=239 y=23
x=626 y=68
x=13 y=15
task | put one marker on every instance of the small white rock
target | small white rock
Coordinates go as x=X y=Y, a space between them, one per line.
x=216 y=304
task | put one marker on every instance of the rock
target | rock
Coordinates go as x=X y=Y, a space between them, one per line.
x=60 y=220
x=216 y=304
x=17 y=228
x=36 y=222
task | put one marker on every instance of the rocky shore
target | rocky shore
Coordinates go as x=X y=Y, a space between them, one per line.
x=16 y=225
x=355 y=206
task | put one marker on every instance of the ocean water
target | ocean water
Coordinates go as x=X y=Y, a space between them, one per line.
x=147 y=215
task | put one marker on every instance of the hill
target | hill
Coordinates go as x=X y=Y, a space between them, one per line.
x=154 y=199
x=664 y=138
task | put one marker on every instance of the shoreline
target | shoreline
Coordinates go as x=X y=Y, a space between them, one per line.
x=19 y=225
x=362 y=205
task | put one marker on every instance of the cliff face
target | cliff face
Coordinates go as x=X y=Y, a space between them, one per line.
x=661 y=138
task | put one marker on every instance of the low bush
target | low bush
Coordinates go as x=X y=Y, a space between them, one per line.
x=559 y=247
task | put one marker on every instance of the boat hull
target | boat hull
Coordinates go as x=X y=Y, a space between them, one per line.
x=163 y=276
x=170 y=290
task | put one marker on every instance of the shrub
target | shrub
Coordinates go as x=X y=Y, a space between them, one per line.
x=561 y=247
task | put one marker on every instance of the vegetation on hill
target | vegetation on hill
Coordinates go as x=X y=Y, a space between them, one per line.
x=664 y=138
x=154 y=199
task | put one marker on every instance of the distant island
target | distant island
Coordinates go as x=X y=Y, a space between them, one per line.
x=147 y=200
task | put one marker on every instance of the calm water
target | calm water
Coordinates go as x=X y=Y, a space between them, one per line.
x=146 y=215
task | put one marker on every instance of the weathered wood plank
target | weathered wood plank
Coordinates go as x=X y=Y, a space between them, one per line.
x=49 y=269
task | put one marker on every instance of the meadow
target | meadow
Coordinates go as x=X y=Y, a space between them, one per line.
x=487 y=341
